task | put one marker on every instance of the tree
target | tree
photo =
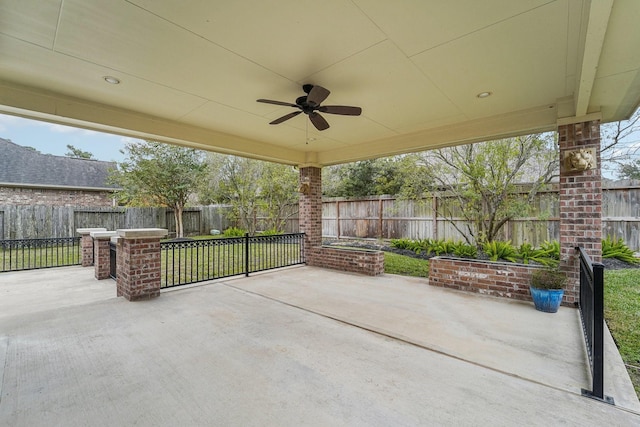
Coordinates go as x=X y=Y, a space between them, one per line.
x=630 y=170
x=158 y=174
x=363 y=178
x=477 y=182
x=620 y=142
x=252 y=187
x=77 y=153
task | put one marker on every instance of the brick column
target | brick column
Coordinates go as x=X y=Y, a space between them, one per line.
x=101 y=250
x=580 y=202
x=310 y=208
x=138 y=263
x=86 y=244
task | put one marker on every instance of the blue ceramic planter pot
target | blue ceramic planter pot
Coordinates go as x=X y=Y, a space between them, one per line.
x=547 y=300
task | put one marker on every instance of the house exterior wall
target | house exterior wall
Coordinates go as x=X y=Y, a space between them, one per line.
x=54 y=197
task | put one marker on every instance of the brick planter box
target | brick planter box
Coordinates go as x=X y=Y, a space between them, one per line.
x=355 y=261
x=499 y=279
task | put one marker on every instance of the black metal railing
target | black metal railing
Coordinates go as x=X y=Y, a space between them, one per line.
x=113 y=260
x=30 y=254
x=192 y=261
x=592 y=314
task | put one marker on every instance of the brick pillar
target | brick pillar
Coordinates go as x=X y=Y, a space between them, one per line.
x=580 y=202
x=138 y=263
x=310 y=208
x=101 y=252
x=86 y=244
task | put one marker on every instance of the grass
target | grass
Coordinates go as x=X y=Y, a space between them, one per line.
x=192 y=262
x=405 y=266
x=41 y=257
x=622 y=313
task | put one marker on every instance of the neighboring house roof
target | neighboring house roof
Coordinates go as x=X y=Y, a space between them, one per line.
x=25 y=167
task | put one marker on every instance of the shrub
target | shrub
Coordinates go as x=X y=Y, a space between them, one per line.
x=551 y=249
x=440 y=247
x=464 y=250
x=612 y=247
x=234 y=232
x=501 y=250
x=528 y=253
x=548 y=279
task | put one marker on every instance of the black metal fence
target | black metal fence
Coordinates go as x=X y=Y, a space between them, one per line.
x=30 y=254
x=193 y=261
x=592 y=314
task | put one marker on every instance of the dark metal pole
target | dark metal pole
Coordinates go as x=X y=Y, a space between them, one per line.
x=246 y=254
x=598 y=330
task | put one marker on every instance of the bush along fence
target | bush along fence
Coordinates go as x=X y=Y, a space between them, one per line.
x=388 y=217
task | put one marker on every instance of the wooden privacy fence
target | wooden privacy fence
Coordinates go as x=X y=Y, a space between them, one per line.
x=31 y=222
x=387 y=217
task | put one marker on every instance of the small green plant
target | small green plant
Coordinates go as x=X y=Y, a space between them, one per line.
x=548 y=278
x=551 y=249
x=527 y=253
x=501 y=250
x=464 y=250
x=440 y=247
x=234 y=232
x=401 y=243
x=613 y=247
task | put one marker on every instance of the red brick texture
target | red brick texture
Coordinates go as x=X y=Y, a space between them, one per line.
x=51 y=197
x=310 y=214
x=498 y=279
x=310 y=207
x=102 y=262
x=86 y=244
x=580 y=204
x=364 y=262
x=138 y=268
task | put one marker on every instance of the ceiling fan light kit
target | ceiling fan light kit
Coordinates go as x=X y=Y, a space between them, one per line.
x=310 y=104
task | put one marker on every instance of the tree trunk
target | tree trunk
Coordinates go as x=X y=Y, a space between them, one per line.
x=177 y=214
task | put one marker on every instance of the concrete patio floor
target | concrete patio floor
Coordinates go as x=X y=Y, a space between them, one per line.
x=299 y=346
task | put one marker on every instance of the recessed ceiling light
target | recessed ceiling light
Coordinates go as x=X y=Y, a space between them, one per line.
x=484 y=94
x=112 y=80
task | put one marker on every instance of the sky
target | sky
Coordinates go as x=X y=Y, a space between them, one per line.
x=49 y=138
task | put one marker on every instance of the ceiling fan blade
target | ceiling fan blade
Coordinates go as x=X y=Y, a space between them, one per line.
x=317 y=95
x=285 y=118
x=269 y=101
x=341 y=109
x=318 y=121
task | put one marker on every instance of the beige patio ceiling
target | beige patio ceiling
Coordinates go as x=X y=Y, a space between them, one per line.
x=190 y=71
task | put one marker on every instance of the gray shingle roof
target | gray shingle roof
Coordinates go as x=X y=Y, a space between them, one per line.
x=21 y=165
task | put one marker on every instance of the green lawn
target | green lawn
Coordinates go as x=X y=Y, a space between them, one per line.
x=41 y=257
x=405 y=266
x=186 y=263
x=622 y=313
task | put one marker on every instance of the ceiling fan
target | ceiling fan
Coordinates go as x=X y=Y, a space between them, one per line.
x=310 y=105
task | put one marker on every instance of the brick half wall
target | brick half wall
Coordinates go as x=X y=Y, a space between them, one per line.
x=354 y=261
x=499 y=279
